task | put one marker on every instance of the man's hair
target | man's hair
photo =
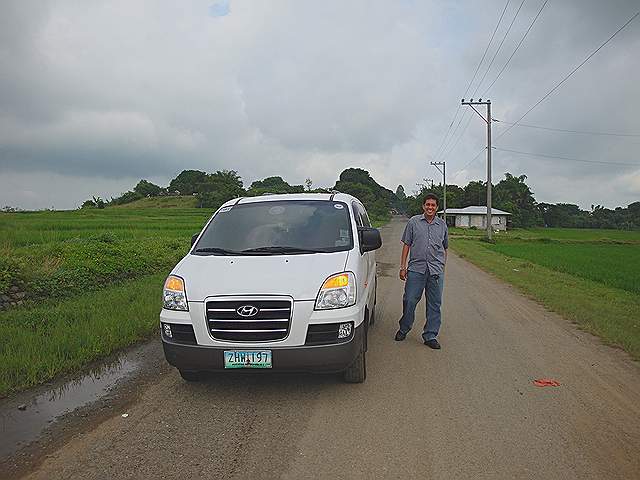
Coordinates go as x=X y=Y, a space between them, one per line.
x=431 y=196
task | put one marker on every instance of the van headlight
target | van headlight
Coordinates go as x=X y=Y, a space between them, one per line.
x=337 y=291
x=174 y=296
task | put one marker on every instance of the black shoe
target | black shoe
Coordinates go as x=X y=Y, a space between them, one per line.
x=400 y=336
x=432 y=344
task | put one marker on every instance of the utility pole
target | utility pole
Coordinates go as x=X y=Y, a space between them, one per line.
x=471 y=103
x=444 y=181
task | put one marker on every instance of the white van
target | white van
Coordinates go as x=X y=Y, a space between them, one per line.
x=278 y=282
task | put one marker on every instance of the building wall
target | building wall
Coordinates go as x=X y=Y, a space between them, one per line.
x=480 y=221
x=462 y=221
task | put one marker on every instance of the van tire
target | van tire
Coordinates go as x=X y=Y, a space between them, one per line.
x=190 y=375
x=357 y=371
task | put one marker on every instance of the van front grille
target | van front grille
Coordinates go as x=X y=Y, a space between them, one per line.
x=249 y=320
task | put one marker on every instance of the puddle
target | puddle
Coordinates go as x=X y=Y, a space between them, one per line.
x=21 y=427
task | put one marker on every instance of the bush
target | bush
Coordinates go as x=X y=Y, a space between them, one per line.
x=9 y=270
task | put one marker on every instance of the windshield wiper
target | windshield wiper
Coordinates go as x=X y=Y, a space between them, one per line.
x=217 y=251
x=281 y=249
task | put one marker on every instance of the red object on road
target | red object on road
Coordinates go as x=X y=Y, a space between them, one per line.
x=546 y=382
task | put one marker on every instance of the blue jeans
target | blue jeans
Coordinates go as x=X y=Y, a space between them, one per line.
x=415 y=284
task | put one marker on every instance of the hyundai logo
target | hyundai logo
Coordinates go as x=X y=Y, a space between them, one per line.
x=247 y=311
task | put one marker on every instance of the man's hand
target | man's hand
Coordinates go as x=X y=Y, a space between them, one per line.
x=403 y=274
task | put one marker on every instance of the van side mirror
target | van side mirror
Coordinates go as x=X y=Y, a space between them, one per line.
x=194 y=237
x=370 y=239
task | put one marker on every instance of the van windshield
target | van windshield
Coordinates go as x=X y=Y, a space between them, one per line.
x=280 y=227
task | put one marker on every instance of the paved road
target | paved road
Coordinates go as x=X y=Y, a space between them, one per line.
x=467 y=411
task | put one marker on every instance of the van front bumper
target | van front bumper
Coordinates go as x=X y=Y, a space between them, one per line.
x=303 y=358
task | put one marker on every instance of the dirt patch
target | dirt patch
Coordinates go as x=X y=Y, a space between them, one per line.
x=59 y=410
x=387 y=269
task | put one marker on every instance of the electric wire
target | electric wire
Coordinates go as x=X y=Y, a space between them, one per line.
x=499 y=47
x=459 y=138
x=469 y=163
x=471 y=82
x=516 y=49
x=633 y=17
x=505 y=65
x=455 y=144
x=544 y=155
x=581 y=132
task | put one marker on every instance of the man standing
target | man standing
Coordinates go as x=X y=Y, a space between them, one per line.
x=427 y=238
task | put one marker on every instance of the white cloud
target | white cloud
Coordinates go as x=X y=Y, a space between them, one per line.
x=128 y=90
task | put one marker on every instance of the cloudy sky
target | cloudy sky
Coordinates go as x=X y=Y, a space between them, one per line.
x=96 y=95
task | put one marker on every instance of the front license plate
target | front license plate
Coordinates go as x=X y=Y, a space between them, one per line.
x=247 y=359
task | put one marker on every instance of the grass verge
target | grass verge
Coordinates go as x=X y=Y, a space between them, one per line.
x=40 y=342
x=611 y=313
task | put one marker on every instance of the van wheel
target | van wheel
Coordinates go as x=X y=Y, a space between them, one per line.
x=357 y=371
x=190 y=375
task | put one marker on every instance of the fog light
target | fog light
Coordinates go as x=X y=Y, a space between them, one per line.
x=167 y=330
x=344 y=331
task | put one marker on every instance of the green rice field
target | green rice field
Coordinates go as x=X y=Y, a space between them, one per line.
x=616 y=266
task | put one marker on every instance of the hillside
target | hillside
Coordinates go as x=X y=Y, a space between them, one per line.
x=184 y=201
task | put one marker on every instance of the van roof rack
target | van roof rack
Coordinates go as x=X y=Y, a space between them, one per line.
x=333 y=194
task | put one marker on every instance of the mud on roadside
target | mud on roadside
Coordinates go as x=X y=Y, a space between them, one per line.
x=36 y=422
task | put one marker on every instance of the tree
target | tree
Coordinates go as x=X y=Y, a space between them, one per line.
x=513 y=195
x=273 y=185
x=147 y=189
x=308 y=183
x=94 y=202
x=358 y=182
x=127 y=197
x=219 y=187
x=187 y=182
x=455 y=196
x=475 y=193
x=562 y=215
x=400 y=192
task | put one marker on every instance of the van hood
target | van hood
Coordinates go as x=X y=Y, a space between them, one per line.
x=298 y=276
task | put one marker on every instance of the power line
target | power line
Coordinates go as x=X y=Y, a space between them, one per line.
x=565 y=158
x=506 y=63
x=470 y=162
x=569 y=75
x=581 y=132
x=516 y=49
x=445 y=156
x=455 y=144
x=438 y=152
x=486 y=49
x=499 y=47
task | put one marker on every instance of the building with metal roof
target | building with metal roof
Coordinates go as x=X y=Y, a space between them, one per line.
x=476 y=216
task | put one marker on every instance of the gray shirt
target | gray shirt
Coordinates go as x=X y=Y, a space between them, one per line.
x=428 y=242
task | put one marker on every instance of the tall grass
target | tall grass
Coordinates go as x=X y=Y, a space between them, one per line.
x=41 y=342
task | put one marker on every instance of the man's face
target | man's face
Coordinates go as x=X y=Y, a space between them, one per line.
x=430 y=207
